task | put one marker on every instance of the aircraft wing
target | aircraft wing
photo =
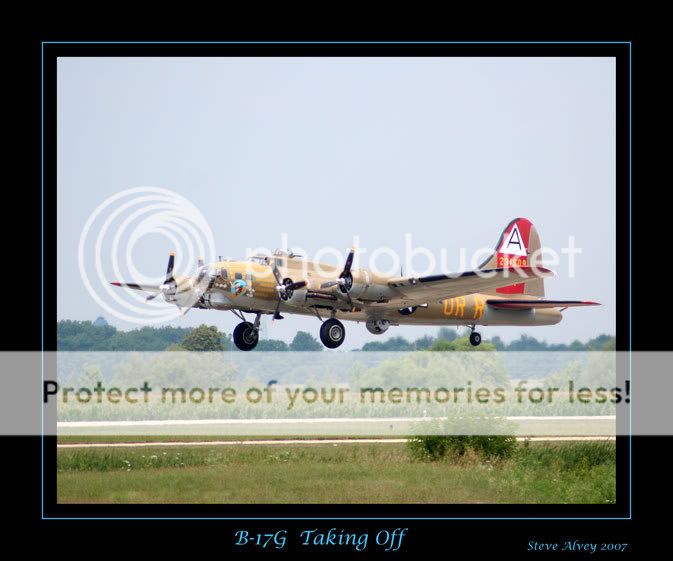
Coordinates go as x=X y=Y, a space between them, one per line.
x=420 y=290
x=532 y=304
x=144 y=287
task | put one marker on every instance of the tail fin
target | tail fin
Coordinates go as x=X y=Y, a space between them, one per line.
x=518 y=246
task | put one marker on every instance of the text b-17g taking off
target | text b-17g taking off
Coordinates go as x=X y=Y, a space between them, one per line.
x=507 y=289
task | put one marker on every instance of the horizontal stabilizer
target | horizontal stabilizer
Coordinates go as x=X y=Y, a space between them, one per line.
x=532 y=304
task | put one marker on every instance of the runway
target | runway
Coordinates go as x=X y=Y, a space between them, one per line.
x=196 y=422
x=297 y=441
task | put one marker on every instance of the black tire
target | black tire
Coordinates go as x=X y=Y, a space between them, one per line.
x=475 y=338
x=332 y=333
x=245 y=336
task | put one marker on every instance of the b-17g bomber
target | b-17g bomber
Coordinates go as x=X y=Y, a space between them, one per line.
x=506 y=289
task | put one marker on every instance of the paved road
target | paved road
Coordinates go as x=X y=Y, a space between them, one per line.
x=181 y=422
x=333 y=441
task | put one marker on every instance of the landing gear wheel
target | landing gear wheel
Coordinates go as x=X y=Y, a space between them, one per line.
x=332 y=333
x=475 y=338
x=245 y=336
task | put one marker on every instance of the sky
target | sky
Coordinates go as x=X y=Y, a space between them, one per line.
x=448 y=150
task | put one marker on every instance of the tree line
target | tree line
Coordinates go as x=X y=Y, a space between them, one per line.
x=100 y=336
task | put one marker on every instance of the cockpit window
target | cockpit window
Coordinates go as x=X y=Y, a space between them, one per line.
x=280 y=262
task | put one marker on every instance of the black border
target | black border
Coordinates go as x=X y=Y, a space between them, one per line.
x=622 y=54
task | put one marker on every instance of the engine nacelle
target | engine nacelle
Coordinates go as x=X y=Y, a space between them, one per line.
x=377 y=326
x=298 y=297
x=358 y=285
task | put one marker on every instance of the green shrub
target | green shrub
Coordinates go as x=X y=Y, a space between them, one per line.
x=494 y=446
x=435 y=447
x=429 y=447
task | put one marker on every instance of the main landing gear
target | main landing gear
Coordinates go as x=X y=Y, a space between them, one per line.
x=246 y=334
x=332 y=333
x=475 y=338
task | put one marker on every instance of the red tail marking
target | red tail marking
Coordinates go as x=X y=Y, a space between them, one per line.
x=513 y=242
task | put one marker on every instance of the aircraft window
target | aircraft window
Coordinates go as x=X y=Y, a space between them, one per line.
x=238 y=276
x=280 y=262
x=223 y=273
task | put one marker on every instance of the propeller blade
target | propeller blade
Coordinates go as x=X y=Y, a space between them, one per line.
x=349 y=262
x=152 y=296
x=276 y=274
x=171 y=263
x=295 y=285
x=346 y=278
x=200 y=263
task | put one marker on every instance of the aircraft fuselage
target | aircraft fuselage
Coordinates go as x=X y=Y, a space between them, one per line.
x=257 y=293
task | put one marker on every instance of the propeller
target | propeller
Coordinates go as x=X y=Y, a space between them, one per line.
x=345 y=280
x=285 y=288
x=169 y=286
x=169 y=283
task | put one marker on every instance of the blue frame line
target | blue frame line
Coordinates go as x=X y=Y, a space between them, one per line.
x=42 y=276
x=630 y=284
x=43 y=43
x=336 y=43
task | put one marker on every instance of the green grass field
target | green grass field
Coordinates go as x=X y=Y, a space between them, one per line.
x=569 y=472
